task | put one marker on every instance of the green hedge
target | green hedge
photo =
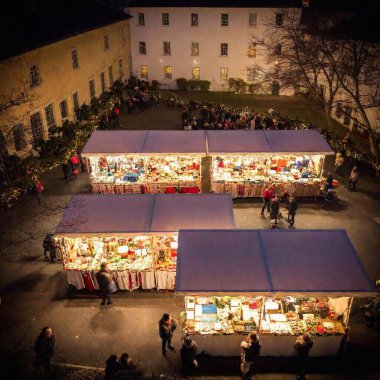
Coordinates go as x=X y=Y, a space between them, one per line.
x=183 y=84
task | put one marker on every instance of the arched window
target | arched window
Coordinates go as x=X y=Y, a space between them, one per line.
x=19 y=137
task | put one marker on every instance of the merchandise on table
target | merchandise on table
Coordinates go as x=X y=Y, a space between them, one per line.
x=124 y=170
x=118 y=170
x=134 y=254
x=257 y=169
x=295 y=316
x=221 y=315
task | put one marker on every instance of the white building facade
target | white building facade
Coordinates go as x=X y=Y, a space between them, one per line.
x=203 y=43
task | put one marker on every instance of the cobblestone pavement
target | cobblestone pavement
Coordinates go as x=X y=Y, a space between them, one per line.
x=34 y=293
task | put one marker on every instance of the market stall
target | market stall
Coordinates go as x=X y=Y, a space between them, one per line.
x=137 y=235
x=244 y=162
x=145 y=161
x=279 y=283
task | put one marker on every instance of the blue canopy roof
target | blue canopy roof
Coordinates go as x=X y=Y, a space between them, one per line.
x=282 y=262
x=258 y=141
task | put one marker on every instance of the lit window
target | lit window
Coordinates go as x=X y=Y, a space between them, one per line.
x=224 y=19
x=92 y=88
x=76 y=100
x=19 y=137
x=103 y=81
x=142 y=47
x=224 y=74
x=49 y=114
x=252 y=50
x=168 y=72
x=251 y=74
x=144 y=72
x=36 y=126
x=34 y=75
x=224 y=49
x=141 y=19
x=252 y=19
x=194 y=19
x=63 y=108
x=195 y=73
x=279 y=19
x=165 y=19
x=106 y=42
x=120 y=68
x=195 y=48
x=167 y=48
x=74 y=59
x=110 y=75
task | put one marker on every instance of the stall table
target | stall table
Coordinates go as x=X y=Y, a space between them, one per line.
x=145 y=162
x=137 y=235
x=280 y=283
x=244 y=162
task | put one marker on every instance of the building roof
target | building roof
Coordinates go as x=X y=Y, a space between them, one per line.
x=39 y=23
x=215 y=3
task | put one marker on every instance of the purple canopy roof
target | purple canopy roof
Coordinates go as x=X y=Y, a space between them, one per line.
x=221 y=262
x=175 y=142
x=100 y=214
x=258 y=141
x=314 y=262
x=115 y=142
x=173 y=212
x=145 y=142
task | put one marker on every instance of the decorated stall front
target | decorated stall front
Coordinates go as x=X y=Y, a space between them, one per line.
x=244 y=162
x=280 y=283
x=145 y=161
x=137 y=235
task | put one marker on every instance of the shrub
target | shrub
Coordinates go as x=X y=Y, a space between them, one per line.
x=204 y=85
x=155 y=85
x=232 y=84
x=182 y=84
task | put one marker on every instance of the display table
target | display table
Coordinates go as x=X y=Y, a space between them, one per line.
x=255 y=190
x=104 y=188
x=229 y=345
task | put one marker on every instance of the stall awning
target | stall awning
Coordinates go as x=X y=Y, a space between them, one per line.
x=145 y=142
x=195 y=211
x=281 y=262
x=127 y=214
x=221 y=262
x=314 y=261
x=115 y=142
x=258 y=141
x=104 y=214
x=159 y=142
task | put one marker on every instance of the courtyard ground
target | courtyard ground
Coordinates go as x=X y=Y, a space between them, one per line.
x=35 y=293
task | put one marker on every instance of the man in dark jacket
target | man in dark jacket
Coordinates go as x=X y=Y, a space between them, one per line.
x=188 y=357
x=44 y=347
x=49 y=246
x=292 y=208
x=303 y=345
x=166 y=327
x=104 y=280
x=250 y=353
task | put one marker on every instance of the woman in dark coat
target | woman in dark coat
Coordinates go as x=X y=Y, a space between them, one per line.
x=44 y=347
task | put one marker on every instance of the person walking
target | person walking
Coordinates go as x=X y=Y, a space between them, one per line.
x=250 y=352
x=339 y=161
x=104 y=279
x=292 y=208
x=188 y=357
x=268 y=194
x=353 y=178
x=274 y=210
x=166 y=328
x=49 y=246
x=38 y=189
x=112 y=367
x=303 y=345
x=44 y=347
